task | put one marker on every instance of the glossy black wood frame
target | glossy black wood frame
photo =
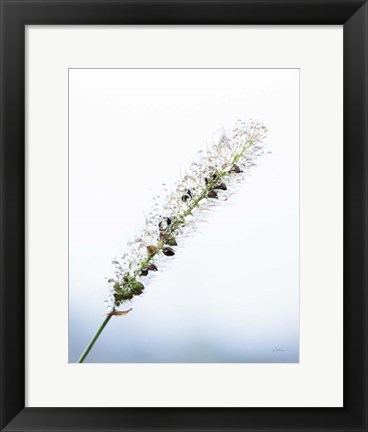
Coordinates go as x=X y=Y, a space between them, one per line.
x=15 y=15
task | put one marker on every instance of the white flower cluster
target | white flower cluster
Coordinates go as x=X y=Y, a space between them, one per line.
x=210 y=180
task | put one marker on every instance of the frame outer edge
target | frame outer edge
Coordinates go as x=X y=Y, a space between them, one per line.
x=12 y=247
x=355 y=215
x=12 y=216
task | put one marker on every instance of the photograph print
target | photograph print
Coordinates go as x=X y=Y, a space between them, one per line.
x=183 y=215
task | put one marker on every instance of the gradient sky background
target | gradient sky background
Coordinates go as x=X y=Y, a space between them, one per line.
x=231 y=294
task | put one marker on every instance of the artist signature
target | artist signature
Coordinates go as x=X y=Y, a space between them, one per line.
x=277 y=349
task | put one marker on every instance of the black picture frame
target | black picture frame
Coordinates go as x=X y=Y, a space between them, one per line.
x=15 y=15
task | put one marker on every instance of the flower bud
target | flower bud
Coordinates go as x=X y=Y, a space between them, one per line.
x=168 y=251
x=212 y=194
x=128 y=295
x=144 y=271
x=171 y=242
x=152 y=250
x=221 y=186
x=236 y=169
x=118 y=298
x=137 y=288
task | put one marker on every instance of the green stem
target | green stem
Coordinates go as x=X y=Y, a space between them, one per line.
x=93 y=340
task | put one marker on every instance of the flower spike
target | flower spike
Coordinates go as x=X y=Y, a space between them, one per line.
x=210 y=181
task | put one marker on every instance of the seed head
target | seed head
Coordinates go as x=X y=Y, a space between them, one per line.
x=210 y=181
